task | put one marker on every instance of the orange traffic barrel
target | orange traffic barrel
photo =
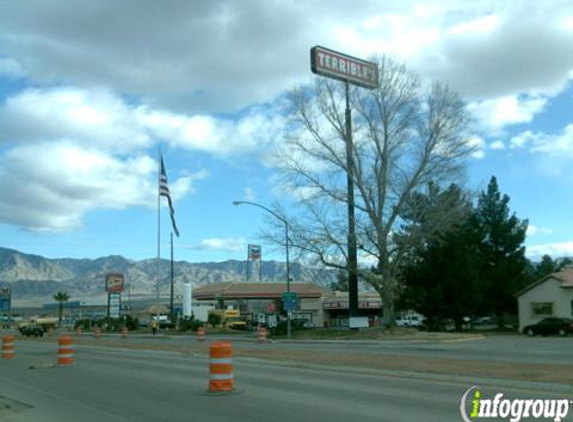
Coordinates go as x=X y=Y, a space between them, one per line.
x=8 y=347
x=78 y=330
x=221 y=367
x=97 y=332
x=262 y=334
x=200 y=333
x=65 y=350
x=124 y=332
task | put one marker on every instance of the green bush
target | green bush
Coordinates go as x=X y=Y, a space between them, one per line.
x=214 y=320
x=190 y=324
x=109 y=324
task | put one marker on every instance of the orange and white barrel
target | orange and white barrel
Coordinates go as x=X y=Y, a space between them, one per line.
x=124 y=332
x=97 y=332
x=8 y=346
x=65 y=350
x=262 y=334
x=221 y=367
x=200 y=333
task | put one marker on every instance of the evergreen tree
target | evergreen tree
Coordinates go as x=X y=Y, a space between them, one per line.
x=441 y=279
x=501 y=250
x=545 y=267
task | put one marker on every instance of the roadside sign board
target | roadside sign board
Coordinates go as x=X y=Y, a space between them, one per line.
x=343 y=67
x=114 y=305
x=272 y=321
x=358 y=322
x=5 y=299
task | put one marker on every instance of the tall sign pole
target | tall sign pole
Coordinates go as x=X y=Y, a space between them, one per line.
x=349 y=70
x=352 y=249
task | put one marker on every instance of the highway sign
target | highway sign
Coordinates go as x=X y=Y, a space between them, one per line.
x=288 y=296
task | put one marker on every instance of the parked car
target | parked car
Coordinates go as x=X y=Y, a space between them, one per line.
x=32 y=330
x=548 y=326
x=410 y=321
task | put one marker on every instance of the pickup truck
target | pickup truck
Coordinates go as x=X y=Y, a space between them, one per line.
x=31 y=330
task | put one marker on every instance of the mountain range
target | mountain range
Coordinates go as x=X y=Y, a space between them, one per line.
x=35 y=279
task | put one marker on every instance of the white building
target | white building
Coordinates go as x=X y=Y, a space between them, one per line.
x=551 y=296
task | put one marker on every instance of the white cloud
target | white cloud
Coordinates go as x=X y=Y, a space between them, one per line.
x=226 y=55
x=93 y=118
x=558 y=145
x=555 y=250
x=222 y=244
x=499 y=112
x=495 y=50
x=498 y=145
x=534 y=230
x=50 y=186
x=99 y=119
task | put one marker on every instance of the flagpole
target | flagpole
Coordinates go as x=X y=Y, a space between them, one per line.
x=171 y=296
x=158 y=228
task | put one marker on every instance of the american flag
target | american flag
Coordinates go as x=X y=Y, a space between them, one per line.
x=164 y=191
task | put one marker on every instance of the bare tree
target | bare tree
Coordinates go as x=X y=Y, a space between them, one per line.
x=405 y=136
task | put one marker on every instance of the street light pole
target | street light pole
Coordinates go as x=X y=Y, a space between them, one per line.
x=285 y=222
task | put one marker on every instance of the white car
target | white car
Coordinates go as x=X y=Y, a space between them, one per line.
x=410 y=321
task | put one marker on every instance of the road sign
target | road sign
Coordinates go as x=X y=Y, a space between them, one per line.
x=289 y=305
x=272 y=321
x=288 y=296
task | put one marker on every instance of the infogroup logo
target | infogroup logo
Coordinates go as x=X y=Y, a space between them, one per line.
x=474 y=406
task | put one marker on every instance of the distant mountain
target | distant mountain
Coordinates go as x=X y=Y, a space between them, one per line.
x=35 y=278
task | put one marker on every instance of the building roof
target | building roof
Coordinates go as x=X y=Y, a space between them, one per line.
x=233 y=290
x=565 y=277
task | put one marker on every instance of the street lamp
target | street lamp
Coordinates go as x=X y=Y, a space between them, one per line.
x=285 y=222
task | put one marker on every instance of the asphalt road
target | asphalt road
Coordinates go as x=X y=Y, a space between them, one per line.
x=131 y=385
x=498 y=348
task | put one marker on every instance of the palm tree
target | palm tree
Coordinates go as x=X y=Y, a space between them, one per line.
x=61 y=297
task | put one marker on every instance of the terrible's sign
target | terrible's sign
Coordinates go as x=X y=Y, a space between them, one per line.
x=345 y=68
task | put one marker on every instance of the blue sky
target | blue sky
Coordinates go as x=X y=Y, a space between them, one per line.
x=90 y=90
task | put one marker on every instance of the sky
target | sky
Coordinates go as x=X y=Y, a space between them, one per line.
x=90 y=92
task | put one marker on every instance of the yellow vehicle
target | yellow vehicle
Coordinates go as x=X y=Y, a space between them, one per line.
x=231 y=319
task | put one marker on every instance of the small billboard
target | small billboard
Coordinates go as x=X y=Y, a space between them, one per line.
x=114 y=283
